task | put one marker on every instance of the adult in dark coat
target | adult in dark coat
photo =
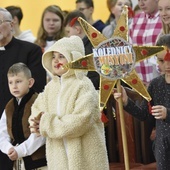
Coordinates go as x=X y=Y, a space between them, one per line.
x=12 y=51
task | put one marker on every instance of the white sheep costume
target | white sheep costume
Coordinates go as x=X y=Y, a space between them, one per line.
x=71 y=122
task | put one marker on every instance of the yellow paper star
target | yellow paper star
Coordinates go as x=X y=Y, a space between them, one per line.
x=114 y=53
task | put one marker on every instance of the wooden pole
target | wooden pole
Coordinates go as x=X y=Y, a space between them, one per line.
x=123 y=129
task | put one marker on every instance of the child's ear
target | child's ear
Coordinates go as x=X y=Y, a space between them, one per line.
x=15 y=20
x=31 y=82
x=91 y=10
x=78 y=29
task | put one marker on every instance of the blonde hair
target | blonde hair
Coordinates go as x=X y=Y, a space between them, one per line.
x=112 y=3
x=18 y=68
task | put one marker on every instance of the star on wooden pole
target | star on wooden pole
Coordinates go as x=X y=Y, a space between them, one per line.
x=119 y=39
x=114 y=59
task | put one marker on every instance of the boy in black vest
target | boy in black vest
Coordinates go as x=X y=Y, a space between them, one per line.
x=25 y=150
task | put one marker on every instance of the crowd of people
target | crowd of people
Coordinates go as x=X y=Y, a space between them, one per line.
x=49 y=116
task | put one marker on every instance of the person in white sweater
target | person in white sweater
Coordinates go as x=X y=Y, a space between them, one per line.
x=17 y=16
x=67 y=113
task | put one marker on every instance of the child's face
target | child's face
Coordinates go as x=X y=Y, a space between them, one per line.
x=57 y=61
x=163 y=65
x=148 y=6
x=71 y=30
x=164 y=10
x=160 y=60
x=19 y=85
x=118 y=8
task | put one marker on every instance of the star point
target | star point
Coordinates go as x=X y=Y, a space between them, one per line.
x=112 y=55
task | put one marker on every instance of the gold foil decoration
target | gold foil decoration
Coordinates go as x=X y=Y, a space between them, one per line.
x=121 y=29
x=99 y=41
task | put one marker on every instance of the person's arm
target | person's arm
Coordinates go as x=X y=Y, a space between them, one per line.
x=38 y=106
x=139 y=112
x=167 y=118
x=29 y=146
x=82 y=118
x=122 y=95
x=161 y=112
x=5 y=141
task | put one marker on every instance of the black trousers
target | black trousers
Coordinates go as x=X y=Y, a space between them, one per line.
x=5 y=162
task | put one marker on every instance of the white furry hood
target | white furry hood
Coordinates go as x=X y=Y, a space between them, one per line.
x=72 y=48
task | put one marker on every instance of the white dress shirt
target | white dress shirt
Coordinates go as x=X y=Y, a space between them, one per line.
x=28 y=147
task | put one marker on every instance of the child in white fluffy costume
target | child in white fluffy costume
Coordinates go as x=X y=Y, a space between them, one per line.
x=71 y=117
